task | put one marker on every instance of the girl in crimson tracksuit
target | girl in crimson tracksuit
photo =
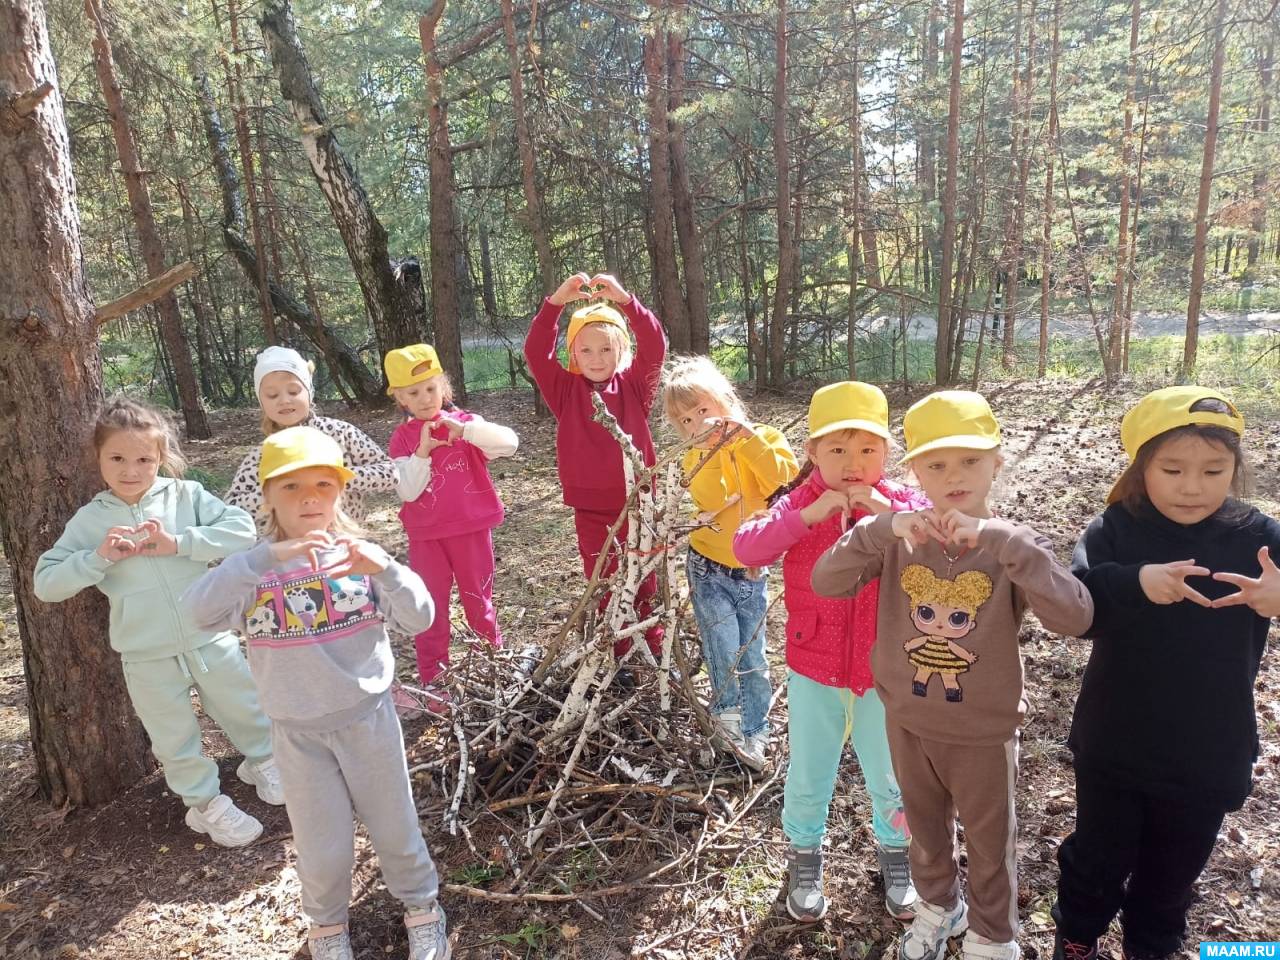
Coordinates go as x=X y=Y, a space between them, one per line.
x=830 y=692
x=587 y=456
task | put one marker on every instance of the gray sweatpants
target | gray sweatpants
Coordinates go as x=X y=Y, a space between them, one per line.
x=325 y=775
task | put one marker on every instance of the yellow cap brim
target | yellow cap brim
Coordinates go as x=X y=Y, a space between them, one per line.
x=868 y=425
x=962 y=441
x=294 y=466
x=392 y=388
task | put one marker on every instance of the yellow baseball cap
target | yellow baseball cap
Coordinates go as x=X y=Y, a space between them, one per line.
x=950 y=418
x=1173 y=407
x=592 y=313
x=849 y=405
x=410 y=365
x=298 y=448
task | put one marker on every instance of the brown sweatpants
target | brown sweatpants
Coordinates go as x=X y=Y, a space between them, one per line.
x=939 y=780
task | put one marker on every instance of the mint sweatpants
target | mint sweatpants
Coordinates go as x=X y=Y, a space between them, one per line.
x=822 y=718
x=161 y=695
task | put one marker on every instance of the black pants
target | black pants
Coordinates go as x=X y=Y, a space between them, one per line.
x=1155 y=840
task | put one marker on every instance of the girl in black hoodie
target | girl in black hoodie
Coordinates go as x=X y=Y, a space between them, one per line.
x=1164 y=734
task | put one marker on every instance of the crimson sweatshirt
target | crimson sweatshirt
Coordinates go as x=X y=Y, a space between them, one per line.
x=588 y=458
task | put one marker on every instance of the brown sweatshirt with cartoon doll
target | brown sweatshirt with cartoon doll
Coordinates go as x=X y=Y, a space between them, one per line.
x=946 y=659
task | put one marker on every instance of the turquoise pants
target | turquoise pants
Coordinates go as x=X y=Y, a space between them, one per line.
x=821 y=720
x=161 y=695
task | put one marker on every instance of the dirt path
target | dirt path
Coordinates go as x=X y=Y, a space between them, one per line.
x=129 y=881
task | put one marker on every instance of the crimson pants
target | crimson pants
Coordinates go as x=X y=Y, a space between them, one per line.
x=467 y=558
x=593 y=527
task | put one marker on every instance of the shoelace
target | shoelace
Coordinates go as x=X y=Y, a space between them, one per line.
x=1078 y=951
x=897 y=873
x=808 y=871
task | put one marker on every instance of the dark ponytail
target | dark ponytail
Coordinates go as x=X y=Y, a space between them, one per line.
x=786 y=488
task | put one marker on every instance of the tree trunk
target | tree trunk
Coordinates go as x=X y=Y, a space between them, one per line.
x=397 y=320
x=528 y=173
x=855 y=199
x=235 y=89
x=1115 y=334
x=175 y=338
x=1022 y=148
x=445 y=306
x=87 y=743
x=695 y=274
x=1051 y=147
x=1202 y=201
x=1258 y=224
x=782 y=164
x=337 y=352
x=928 y=146
x=671 y=305
x=942 y=343
x=1133 y=237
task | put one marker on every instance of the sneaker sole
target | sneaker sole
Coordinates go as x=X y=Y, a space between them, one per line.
x=257 y=788
x=229 y=846
x=807 y=918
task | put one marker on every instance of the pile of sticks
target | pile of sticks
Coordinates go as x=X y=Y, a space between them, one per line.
x=592 y=786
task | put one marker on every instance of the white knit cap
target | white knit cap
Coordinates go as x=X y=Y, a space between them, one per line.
x=275 y=359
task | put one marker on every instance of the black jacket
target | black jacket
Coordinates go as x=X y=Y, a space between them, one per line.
x=1167 y=696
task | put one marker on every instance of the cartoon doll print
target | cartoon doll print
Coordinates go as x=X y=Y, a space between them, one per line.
x=944 y=611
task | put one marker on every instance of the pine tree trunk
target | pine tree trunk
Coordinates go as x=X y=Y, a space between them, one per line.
x=695 y=273
x=1115 y=334
x=1051 y=148
x=942 y=344
x=855 y=199
x=1202 y=201
x=445 y=305
x=1258 y=224
x=87 y=743
x=1133 y=237
x=528 y=171
x=175 y=338
x=786 y=244
x=927 y=144
x=1014 y=241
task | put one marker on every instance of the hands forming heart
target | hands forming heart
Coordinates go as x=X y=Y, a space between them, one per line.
x=148 y=538
x=1165 y=583
x=582 y=287
x=947 y=527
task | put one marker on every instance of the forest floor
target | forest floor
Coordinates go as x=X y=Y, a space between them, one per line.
x=129 y=881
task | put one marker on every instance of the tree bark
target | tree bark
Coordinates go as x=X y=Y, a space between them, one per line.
x=445 y=306
x=855 y=199
x=695 y=273
x=1115 y=334
x=927 y=143
x=1051 y=148
x=782 y=165
x=528 y=171
x=397 y=320
x=942 y=344
x=1020 y=153
x=87 y=743
x=671 y=305
x=1202 y=200
x=175 y=338
x=1258 y=224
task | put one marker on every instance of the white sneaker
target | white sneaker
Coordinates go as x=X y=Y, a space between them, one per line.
x=727 y=735
x=926 y=938
x=265 y=776
x=330 y=943
x=977 y=947
x=225 y=823
x=428 y=938
x=754 y=751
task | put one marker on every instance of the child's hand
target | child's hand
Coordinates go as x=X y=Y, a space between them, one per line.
x=726 y=428
x=454 y=426
x=309 y=546
x=608 y=287
x=576 y=287
x=960 y=528
x=828 y=505
x=155 y=540
x=1261 y=593
x=1167 y=582
x=869 y=498
x=427 y=443
x=117 y=545
x=363 y=557
x=917 y=527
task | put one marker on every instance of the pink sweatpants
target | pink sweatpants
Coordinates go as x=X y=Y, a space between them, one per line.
x=467 y=558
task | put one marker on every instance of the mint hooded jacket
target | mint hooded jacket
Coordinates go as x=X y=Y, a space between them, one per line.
x=147 y=622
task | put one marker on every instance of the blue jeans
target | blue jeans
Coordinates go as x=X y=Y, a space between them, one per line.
x=730 y=612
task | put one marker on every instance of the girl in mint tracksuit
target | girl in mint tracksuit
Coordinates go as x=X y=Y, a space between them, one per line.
x=142 y=542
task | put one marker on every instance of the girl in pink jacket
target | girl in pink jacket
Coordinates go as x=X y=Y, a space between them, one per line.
x=830 y=690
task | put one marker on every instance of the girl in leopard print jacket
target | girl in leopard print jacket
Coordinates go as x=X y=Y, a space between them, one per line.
x=282 y=381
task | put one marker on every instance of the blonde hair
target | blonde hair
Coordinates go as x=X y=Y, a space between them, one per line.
x=686 y=380
x=446 y=388
x=619 y=339
x=269 y=426
x=122 y=414
x=343 y=523
x=968 y=591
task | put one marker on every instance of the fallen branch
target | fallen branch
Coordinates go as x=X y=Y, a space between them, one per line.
x=149 y=292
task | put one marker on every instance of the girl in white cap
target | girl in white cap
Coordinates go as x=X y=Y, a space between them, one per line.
x=282 y=382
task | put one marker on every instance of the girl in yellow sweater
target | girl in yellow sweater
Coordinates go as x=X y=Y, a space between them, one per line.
x=729 y=598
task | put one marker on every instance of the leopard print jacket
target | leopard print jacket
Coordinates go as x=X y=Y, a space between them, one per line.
x=374 y=471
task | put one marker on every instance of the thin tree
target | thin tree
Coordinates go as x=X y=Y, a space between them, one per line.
x=786 y=240
x=942 y=342
x=1115 y=334
x=1046 y=238
x=1258 y=224
x=855 y=199
x=1206 y=187
x=87 y=744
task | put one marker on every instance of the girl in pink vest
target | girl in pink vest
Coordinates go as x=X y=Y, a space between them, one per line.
x=450 y=506
x=830 y=691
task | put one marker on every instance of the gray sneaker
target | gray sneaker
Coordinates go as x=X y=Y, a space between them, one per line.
x=805 y=899
x=428 y=937
x=330 y=943
x=926 y=938
x=899 y=891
